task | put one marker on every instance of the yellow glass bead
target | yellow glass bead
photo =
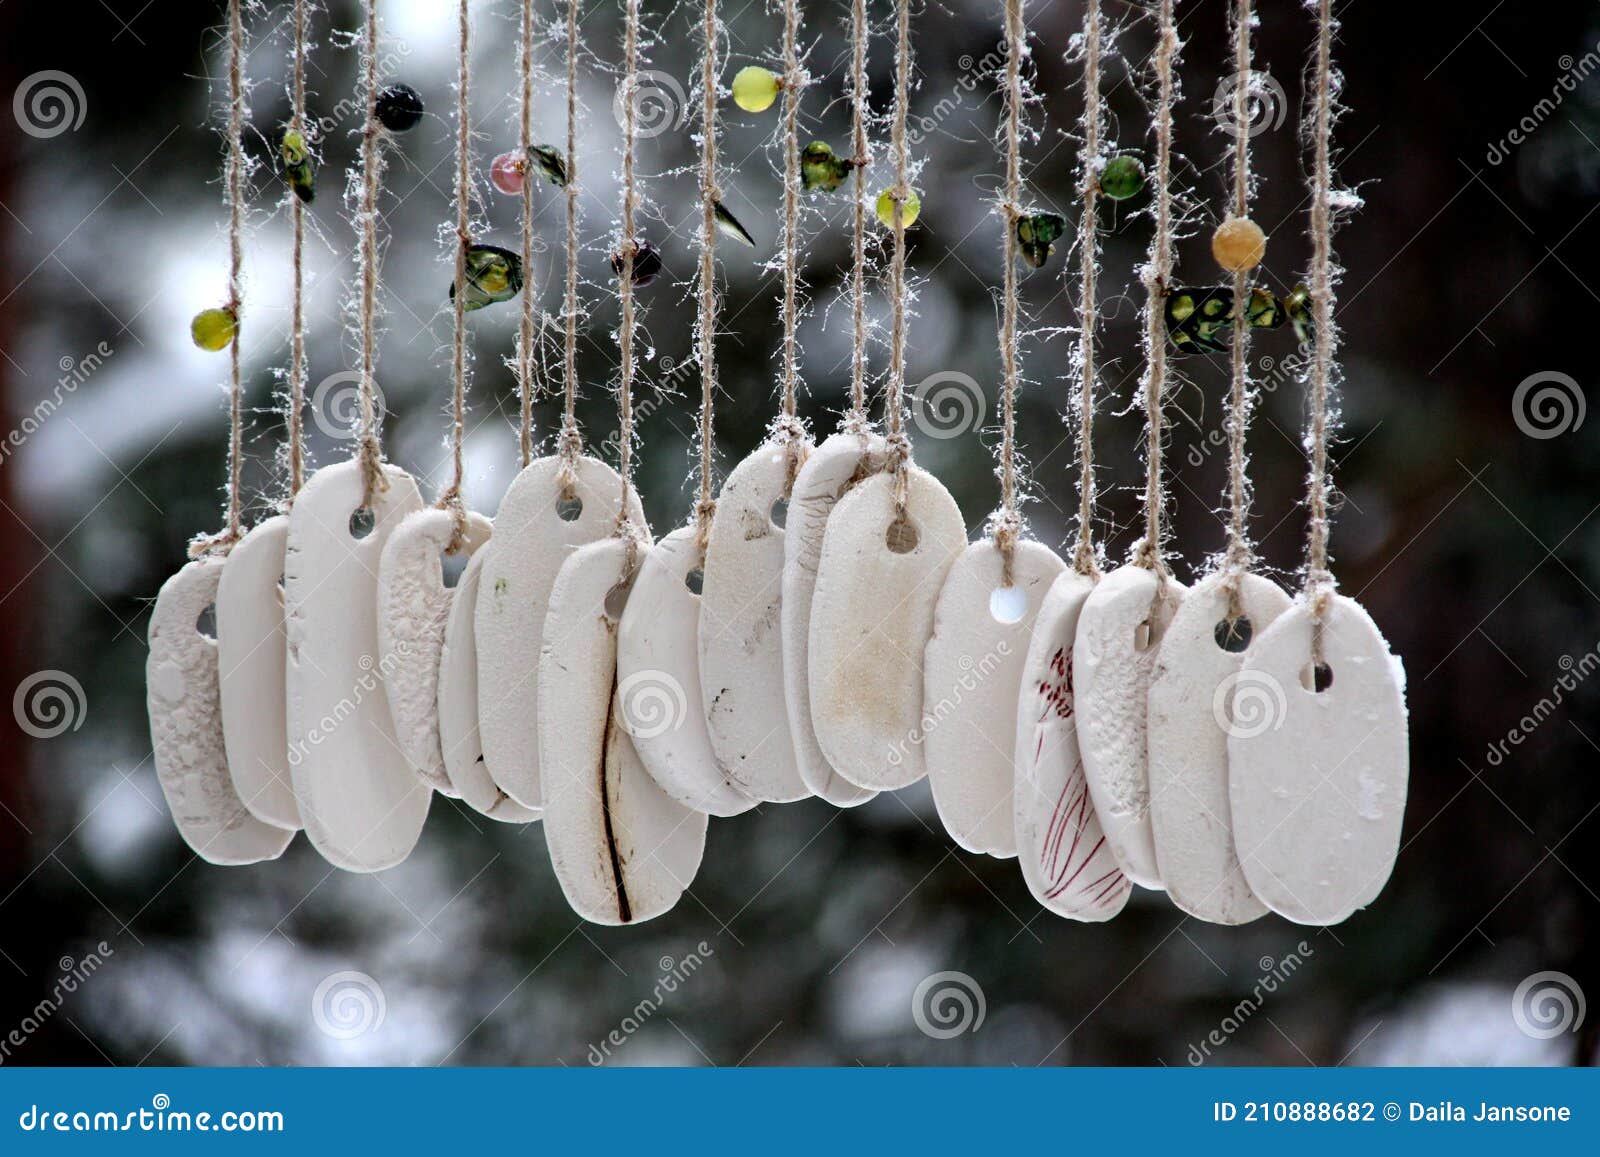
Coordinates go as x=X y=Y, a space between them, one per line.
x=1238 y=244
x=214 y=329
x=755 y=88
x=908 y=211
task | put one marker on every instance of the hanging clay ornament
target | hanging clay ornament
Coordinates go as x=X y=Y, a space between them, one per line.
x=829 y=471
x=413 y=605
x=185 y=708
x=741 y=632
x=658 y=680
x=459 y=742
x=250 y=658
x=1318 y=800
x=623 y=850
x=1197 y=700
x=972 y=675
x=1061 y=846
x=537 y=526
x=877 y=584
x=362 y=805
x=1119 y=632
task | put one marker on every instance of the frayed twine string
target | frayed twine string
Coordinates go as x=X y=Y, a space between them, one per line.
x=1084 y=560
x=369 y=449
x=570 y=442
x=450 y=499
x=1006 y=525
x=1240 y=555
x=298 y=365
x=899 y=446
x=710 y=194
x=527 y=337
x=630 y=200
x=788 y=430
x=856 y=420
x=1319 y=579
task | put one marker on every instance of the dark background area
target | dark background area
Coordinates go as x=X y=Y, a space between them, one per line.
x=1471 y=542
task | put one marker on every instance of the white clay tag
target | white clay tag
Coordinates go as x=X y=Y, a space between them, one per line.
x=1318 y=801
x=658 y=681
x=250 y=658
x=972 y=672
x=878 y=582
x=623 y=850
x=1119 y=634
x=827 y=472
x=413 y=604
x=534 y=532
x=1061 y=847
x=1197 y=700
x=741 y=632
x=186 y=727
x=362 y=805
x=458 y=705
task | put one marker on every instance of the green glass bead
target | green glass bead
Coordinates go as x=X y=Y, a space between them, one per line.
x=821 y=168
x=298 y=167
x=492 y=275
x=1298 y=308
x=755 y=88
x=214 y=329
x=908 y=211
x=1036 y=235
x=1123 y=177
x=552 y=164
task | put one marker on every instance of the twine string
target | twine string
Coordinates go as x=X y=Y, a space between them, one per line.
x=299 y=369
x=788 y=429
x=369 y=450
x=1157 y=276
x=571 y=440
x=706 y=324
x=1240 y=556
x=450 y=499
x=1084 y=560
x=899 y=446
x=527 y=335
x=1007 y=524
x=1319 y=579
x=856 y=420
x=630 y=201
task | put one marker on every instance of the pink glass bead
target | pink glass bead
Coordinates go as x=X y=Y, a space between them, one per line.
x=508 y=172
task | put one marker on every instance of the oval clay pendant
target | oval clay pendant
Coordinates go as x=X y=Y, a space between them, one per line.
x=362 y=804
x=829 y=471
x=1318 y=801
x=1061 y=846
x=658 y=680
x=459 y=743
x=1196 y=701
x=251 y=650
x=972 y=673
x=623 y=850
x=538 y=524
x=1119 y=634
x=741 y=633
x=878 y=582
x=185 y=706
x=413 y=604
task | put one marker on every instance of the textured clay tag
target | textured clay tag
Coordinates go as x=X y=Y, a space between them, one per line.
x=1197 y=700
x=535 y=529
x=877 y=584
x=1060 y=844
x=741 y=634
x=1119 y=634
x=186 y=727
x=827 y=473
x=972 y=672
x=362 y=805
x=1318 y=799
x=658 y=680
x=250 y=657
x=458 y=705
x=623 y=849
x=413 y=604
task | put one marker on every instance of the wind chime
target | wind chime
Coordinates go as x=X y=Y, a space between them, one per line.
x=821 y=625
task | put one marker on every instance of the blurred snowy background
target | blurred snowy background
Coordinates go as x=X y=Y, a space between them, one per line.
x=811 y=935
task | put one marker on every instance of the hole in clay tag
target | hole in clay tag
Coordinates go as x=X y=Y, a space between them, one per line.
x=1007 y=605
x=616 y=600
x=695 y=580
x=206 y=622
x=1144 y=637
x=1316 y=679
x=569 y=509
x=361 y=522
x=901 y=537
x=780 y=513
x=1235 y=636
